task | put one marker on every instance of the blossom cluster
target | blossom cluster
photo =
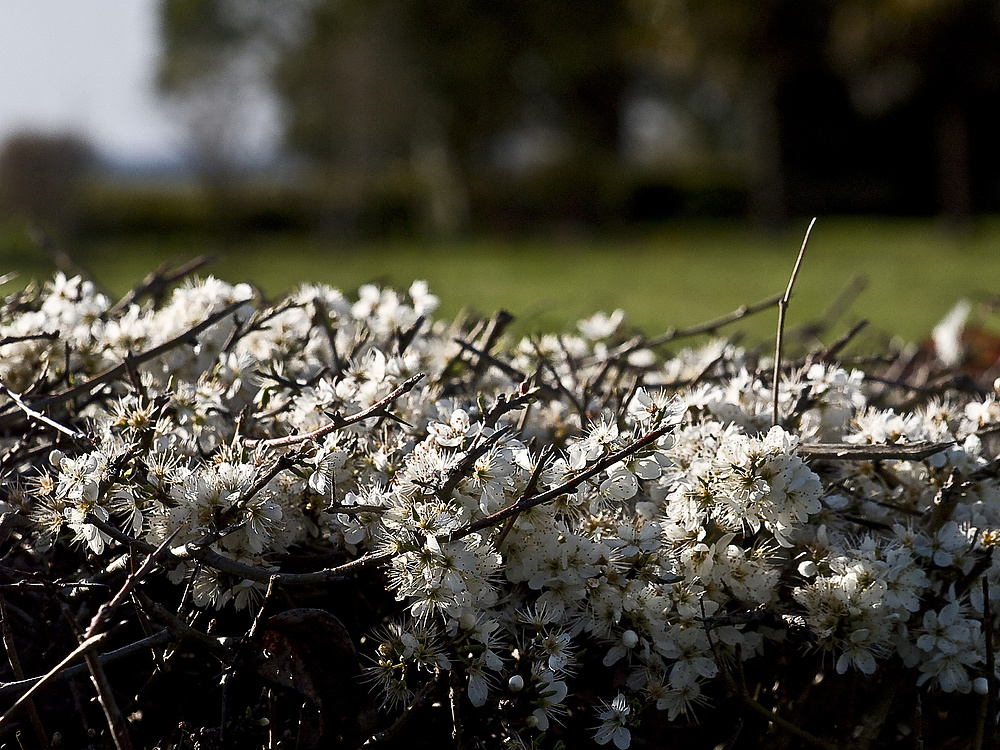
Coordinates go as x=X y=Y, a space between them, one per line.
x=542 y=509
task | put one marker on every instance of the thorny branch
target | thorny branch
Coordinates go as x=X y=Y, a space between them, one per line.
x=606 y=388
x=378 y=409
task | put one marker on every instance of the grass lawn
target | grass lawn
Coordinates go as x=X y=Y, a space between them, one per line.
x=674 y=275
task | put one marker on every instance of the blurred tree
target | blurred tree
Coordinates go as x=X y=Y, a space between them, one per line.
x=40 y=177
x=750 y=51
x=216 y=60
x=441 y=82
x=940 y=57
x=434 y=84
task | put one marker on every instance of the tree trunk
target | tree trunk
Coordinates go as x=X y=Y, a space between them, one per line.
x=766 y=183
x=954 y=178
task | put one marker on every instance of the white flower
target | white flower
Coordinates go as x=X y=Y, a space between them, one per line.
x=947 y=334
x=946 y=631
x=613 y=719
x=621 y=484
x=656 y=406
x=451 y=434
x=601 y=325
x=942 y=549
x=551 y=694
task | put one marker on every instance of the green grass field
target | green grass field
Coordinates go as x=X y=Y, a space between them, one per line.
x=676 y=275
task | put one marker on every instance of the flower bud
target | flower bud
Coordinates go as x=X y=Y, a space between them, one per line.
x=807 y=568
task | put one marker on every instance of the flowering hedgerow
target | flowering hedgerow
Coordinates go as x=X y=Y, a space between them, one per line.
x=578 y=534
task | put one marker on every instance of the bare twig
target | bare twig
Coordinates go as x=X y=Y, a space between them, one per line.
x=529 y=490
x=782 y=308
x=105 y=611
x=256 y=322
x=833 y=351
x=455 y=700
x=204 y=555
x=852 y=452
x=73 y=655
x=453 y=362
x=507 y=369
x=156 y=639
x=580 y=406
x=45 y=336
x=711 y=326
x=181 y=630
x=835 y=310
x=16 y=398
x=106 y=697
x=498 y=323
x=468 y=461
x=156 y=283
x=396 y=726
x=259 y=617
x=321 y=317
x=524 y=395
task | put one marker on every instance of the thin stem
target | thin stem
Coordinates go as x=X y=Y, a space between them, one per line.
x=782 y=308
x=399 y=723
x=108 y=608
x=989 y=738
x=875 y=452
x=15 y=666
x=156 y=283
x=507 y=369
x=455 y=699
x=106 y=697
x=711 y=326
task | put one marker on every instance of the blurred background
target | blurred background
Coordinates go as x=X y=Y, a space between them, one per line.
x=549 y=156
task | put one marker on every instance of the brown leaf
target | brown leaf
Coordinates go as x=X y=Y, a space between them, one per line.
x=310 y=652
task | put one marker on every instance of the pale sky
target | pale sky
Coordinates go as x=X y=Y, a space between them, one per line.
x=88 y=66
